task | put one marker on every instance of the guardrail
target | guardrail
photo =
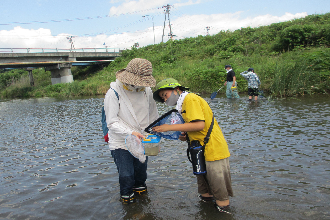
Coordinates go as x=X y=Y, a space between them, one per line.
x=57 y=50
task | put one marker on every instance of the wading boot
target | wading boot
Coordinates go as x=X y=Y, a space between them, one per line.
x=223 y=209
x=126 y=199
x=140 y=189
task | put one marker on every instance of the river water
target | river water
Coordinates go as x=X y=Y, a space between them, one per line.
x=54 y=163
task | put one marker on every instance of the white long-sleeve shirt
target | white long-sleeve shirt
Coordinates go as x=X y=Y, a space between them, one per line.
x=132 y=111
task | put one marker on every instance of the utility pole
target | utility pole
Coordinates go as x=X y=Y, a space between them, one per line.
x=71 y=42
x=106 y=47
x=171 y=35
x=153 y=28
x=153 y=25
x=167 y=11
x=207 y=30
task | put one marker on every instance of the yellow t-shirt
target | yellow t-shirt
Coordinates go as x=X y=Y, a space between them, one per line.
x=195 y=108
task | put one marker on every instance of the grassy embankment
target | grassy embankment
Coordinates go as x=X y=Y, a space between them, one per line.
x=290 y=58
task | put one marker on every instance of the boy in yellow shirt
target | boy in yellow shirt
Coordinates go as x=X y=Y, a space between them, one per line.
x=197 y=114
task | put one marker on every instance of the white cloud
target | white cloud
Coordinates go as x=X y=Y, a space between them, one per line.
x=194 y=25
x=19 y=37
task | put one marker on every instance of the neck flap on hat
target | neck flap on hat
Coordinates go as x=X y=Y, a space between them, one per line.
x=180 y=101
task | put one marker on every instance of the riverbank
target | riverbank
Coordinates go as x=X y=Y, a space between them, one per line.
x=290 y=58
x=284 y=75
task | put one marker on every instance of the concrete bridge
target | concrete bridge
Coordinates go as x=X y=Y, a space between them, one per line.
x=58 y=61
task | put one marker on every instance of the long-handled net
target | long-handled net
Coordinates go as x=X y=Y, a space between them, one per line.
x=171 y=117
x=214 y=94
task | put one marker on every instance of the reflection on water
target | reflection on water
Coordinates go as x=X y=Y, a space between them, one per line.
x=55 y=165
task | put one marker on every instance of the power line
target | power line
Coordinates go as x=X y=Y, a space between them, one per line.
x=77 y=19
x=114 y=30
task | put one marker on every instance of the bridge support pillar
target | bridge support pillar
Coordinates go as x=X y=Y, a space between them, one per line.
x=30 y=76
x=61 y=74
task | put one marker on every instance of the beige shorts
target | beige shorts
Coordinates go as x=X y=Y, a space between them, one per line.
x=218 y=180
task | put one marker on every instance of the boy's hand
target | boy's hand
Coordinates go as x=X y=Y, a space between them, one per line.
x=161 y=128
x=183 y=136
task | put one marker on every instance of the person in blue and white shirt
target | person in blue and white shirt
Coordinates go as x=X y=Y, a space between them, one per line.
x=253 y=83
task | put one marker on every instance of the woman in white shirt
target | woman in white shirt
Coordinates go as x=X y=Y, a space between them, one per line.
x=127 y=114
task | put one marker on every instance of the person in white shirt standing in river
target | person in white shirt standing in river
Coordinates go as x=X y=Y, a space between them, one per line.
x=129 y=108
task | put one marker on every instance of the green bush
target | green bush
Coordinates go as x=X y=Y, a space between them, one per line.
x=9 y=77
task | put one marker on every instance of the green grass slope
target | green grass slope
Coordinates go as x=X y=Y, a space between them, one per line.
x=290 y=58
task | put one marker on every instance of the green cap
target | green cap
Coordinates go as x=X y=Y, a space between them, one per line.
x=169 y=83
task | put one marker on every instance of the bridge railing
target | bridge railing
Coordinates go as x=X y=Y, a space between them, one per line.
x=57 y=50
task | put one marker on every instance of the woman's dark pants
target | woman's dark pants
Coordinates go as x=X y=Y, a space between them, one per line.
x=131 y=171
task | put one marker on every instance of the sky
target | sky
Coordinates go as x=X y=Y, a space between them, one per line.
x=120 y=24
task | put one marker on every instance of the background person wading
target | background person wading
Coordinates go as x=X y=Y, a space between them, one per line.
x=253 y=83
x=231 y=91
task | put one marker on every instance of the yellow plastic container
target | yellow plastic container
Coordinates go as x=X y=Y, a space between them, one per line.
x=151 y=145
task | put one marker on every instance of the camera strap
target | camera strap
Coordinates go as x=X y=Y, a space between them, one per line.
x=207 y=137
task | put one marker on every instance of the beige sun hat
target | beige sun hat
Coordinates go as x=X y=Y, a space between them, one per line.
x=138 y=72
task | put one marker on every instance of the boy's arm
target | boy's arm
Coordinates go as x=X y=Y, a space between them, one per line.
x=245 y=74
x=186 y=127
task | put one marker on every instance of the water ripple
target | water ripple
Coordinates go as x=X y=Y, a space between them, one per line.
x=54 y=163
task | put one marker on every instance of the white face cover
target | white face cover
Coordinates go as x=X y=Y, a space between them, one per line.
x=172 y=100
x=133 y=88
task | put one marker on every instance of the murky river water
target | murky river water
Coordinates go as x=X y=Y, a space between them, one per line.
x=55 y=165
